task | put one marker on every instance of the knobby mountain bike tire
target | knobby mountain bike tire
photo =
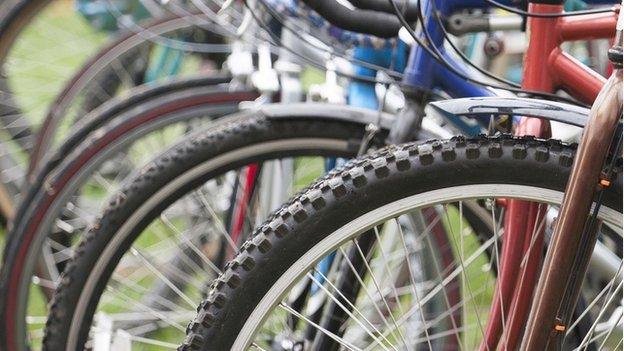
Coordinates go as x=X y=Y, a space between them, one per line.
x=359 y=197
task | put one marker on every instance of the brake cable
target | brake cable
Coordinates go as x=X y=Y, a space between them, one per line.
x=432 y=50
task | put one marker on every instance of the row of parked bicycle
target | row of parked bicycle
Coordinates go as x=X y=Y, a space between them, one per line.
x=311 y=175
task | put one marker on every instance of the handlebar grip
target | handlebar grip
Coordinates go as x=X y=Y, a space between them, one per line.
x=409 y=10
x=375 y=23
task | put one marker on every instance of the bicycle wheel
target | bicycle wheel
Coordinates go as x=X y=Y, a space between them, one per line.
x=111 y=110
x=248 y=304
x=70 y=192
x=29 y=28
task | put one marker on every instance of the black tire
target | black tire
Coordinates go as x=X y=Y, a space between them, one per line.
x=362 y=186
x=254 y=134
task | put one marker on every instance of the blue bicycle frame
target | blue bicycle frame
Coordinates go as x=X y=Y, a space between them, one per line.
x=422 y=71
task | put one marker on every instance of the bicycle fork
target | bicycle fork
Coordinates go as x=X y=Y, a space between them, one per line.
x=574 y=235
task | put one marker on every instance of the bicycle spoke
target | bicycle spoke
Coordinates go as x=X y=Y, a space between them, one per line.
x=463 y=266
x=350 y=305
x=324 y=331
x=364 y=286
x=606 y=290
x=187 y=241
x=162 y=277
x=411 y=274
x=587 y=339
x=146 y=308
x=217 y=221
x=616 y=324
x=353 y=317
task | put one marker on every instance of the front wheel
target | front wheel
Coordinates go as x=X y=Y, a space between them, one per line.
x=404 y=300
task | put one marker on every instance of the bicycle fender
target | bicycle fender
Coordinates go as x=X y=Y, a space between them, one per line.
x=347 y=113
x=327 y=111
x=512 y=106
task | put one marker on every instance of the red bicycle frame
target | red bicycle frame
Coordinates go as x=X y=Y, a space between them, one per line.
x=546 y=68
x=250 y=176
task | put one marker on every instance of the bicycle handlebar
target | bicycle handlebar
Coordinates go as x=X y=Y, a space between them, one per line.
x=375 y=23
x=410 y=10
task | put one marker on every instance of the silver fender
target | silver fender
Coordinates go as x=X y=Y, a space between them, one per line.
x=319 y=110
x=341 y=112
x=470 y=107
x=514 y=106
